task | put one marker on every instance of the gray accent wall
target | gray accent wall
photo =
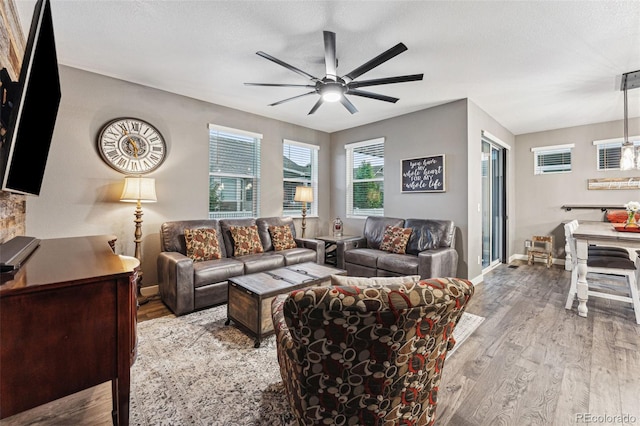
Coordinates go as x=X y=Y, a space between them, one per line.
x=80 y=193
x=539 y=198
x=453 y=129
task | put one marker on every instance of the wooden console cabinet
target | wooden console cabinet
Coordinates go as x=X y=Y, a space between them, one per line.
x=67 y=323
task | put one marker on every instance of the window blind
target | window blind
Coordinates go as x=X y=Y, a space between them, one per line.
x=365 y=178
x=609 y=154
x=555 y=159
x=234 y=173
x=300 y=168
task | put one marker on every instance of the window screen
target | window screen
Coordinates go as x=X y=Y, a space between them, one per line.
x=365 y=178
x=300 y=168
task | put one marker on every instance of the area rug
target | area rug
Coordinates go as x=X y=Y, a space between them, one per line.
x=194 y=370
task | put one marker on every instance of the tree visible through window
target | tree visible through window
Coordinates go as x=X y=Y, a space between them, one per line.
x=365 y=178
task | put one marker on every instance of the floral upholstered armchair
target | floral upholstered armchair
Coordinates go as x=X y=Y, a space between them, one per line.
x=368 y=355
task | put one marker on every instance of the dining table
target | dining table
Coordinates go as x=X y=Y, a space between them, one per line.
x=599 y=233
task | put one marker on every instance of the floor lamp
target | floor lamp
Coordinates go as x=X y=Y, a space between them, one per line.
x=138 y=189
x=305 y=195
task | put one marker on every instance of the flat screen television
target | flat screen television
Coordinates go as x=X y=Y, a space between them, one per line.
x=30 y=107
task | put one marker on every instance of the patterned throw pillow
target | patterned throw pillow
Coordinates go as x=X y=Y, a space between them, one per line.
x=395 y=239
x=282 y=238
x=202 y=244
x=245 y=240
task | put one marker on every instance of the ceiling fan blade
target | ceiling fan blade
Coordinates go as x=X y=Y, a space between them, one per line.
x=387 y=80
x=330 y=54
x=287 y=66
x=370 y=95
x=280 y=85
x=316 y=106
x=290 y=99
x=381 y=58
x=348 y=105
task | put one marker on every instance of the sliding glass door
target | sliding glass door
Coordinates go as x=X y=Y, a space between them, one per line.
x=493 y=204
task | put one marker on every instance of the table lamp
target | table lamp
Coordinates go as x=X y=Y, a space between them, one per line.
x=305 y=195
x=138 y=189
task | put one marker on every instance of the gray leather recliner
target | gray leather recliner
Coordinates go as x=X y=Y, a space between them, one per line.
x=186 y=285
x=430 y=251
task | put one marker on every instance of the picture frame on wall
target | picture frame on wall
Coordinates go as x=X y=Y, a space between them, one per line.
x=424 y=174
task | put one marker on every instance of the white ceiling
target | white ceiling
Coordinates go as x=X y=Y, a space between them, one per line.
x=532 y=66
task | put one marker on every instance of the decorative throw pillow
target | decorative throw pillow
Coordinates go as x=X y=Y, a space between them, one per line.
x=282 y=238
x=202 y=244
x=395 y=239
x=342 y=280
x=245 y=240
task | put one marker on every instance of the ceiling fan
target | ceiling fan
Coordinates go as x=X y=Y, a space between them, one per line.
x=333 y=88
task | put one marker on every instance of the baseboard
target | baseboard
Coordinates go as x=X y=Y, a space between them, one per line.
x=148 y=291
x=477 y=280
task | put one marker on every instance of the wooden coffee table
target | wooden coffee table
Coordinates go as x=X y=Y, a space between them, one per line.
x=250 y=296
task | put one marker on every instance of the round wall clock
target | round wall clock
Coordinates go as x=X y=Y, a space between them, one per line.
x=132 y=146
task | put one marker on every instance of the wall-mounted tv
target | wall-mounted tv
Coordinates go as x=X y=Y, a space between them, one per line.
x=30 y=107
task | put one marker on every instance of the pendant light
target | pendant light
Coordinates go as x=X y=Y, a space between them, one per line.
x=628 y=158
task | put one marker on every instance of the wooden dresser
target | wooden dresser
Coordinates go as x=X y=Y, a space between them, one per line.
x=67 y=323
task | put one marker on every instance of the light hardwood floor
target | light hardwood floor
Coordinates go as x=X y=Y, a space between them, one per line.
x=530 y=363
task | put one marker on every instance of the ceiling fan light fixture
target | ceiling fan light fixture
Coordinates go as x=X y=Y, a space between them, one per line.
x=331 y=92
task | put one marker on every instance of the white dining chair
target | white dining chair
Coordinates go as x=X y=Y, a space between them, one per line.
x=603 y=261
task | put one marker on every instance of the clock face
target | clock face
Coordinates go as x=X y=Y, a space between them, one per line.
x=132 y=146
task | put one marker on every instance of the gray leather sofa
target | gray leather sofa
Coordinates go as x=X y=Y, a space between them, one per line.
x=430 y=251
x=186 y=285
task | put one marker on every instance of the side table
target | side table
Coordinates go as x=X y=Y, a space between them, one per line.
x=330 y=245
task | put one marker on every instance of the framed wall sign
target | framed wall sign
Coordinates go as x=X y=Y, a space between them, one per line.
x=424 y=174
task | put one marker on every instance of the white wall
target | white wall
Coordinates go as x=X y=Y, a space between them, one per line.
x=80 y=192
x=539 y=197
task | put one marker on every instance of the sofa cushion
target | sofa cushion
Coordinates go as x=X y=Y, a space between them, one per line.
x=395 y=239
x=264 y=223
x=202 y=244
x=281 y=237
x=374 y=228
x=363 y=256
x=245 y=240
x=298 y=255
x=213 y=271
x=404 y=264
x=262 y=262
x=342 y=280
x=429 y=234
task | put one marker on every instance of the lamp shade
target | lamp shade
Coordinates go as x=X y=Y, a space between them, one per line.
x=137 y=188
x=303 y=193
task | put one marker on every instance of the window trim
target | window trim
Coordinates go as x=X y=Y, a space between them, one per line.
x=256 y=177
x=537 y=151
x=315 y=149
x=349 y=148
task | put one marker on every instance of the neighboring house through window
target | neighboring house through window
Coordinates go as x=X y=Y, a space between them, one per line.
x=552 y=159
x=365 y=178
x=610 y=150
x=234 y=172
x=300 y=168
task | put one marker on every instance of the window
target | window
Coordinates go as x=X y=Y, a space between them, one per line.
x=552 y=159
x=234 y=173
x=300 y=168
x=609 y=152
x=365 y=178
